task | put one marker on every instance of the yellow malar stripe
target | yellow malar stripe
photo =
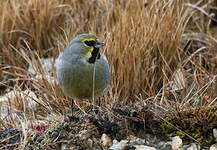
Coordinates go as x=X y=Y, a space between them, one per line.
x=89 y=52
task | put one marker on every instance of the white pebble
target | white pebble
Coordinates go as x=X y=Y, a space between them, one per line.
x=176 y=143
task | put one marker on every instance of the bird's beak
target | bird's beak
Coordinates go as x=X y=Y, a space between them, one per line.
x=99 y=44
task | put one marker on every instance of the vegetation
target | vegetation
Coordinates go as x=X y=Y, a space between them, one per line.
x=160 y=52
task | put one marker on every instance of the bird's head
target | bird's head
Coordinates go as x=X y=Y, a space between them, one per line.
x=89 y=46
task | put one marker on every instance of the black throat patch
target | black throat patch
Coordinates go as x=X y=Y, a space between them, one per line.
x=94 y=55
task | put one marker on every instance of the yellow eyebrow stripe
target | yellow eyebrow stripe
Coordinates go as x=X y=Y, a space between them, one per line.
x=88 y=39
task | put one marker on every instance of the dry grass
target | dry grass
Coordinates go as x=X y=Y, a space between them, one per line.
x=147 y=44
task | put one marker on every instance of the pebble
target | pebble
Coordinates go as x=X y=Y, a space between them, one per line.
x=119 y=145
x=213 y=147
x=193 y=146
x=46 y=64
x=143 y=147
x=47 y=67
x=4 y=113
x=11 y=99
x=29 y=97
x=176 y=143
x=215 y=134
x=63 y=146
x=106 y=140
x=90 y=143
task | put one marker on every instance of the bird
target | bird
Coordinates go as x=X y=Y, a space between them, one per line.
x=82 y=70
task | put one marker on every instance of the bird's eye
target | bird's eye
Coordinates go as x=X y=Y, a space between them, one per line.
x=90 y=43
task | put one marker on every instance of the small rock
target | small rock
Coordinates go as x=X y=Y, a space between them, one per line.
x=46 y=64
x=63 y=146
x=119 y=145
x=213 y=147
x=90 y=143
x=14 y=98
x=143 y=147
x=115 y=141
x=176 y=143
x=4 y=110
x=27 y=96
x=47 y=67
x=215 y=134
x=106 y=140
x=192 y=146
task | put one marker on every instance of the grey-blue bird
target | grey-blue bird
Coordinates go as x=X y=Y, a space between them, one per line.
x=82 y=72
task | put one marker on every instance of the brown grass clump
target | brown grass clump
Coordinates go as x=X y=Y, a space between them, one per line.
x=139 y=52
x=163 y=51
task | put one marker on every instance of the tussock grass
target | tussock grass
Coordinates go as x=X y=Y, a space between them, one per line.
x=147 y=44
x=139 y=52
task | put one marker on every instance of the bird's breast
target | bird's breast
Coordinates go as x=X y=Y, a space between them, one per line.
x=81 y=79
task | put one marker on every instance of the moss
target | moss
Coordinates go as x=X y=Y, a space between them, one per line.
x=198 y=123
